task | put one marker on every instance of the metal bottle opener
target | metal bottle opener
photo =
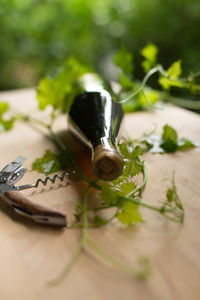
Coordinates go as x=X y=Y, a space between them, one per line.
x=20 y=204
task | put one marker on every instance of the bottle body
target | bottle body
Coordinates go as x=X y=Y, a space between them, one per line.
x=96 y=119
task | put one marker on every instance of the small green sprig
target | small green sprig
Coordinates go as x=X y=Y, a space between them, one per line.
x=6 y=124
x=167 y=142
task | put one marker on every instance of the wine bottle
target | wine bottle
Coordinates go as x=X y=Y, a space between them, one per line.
x=95 y=118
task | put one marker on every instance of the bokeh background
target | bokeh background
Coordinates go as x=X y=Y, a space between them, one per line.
x=36 y=36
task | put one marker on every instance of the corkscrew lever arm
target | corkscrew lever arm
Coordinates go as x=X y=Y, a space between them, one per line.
x=19 y=203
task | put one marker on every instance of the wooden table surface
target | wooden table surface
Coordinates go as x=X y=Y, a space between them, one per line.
x=31 y=255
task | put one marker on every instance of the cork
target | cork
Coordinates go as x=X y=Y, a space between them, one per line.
x=107 y=163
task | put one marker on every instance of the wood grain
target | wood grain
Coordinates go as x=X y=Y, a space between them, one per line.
x=31 y=255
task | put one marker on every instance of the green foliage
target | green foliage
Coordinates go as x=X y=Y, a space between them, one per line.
x=125 y=187
x=47 y=164
x=124 y=60
x=173 y=202
x=37 y=36
x=142 y=101
x=5 y=123
x=150 y=54
x=172 y=76
x=108 y=195
x=168 y=142
x=99 y=221
x=169 y=139
x=132 y=163
x=129 y=214
x=50 y=162
x=60 y=91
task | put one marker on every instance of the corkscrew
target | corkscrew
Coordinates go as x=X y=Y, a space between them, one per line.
x=20 y=204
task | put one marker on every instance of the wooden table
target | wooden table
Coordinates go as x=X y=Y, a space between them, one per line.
x=31 y=255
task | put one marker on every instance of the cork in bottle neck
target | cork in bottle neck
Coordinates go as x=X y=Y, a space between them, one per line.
x=107 y=162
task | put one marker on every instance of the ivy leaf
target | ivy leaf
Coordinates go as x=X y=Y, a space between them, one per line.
x=169 y=133
x=184 y=144
x=129 y=214
x=132 y=164
x=130 y=152
x=99 y=221
x=169 y=139
x=108 y=195
x=172 y=73
x=175 y=70
x=169 y=146
x=60 y=91
x=168 y=142
x=125 y=81
x=125 y=188
x=3 y=108
x=150 y=54
x=124 y=60
x=5 y=124
x=47 y=164
x=51 y=162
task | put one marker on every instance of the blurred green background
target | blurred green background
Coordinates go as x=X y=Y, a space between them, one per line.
x=36 y=36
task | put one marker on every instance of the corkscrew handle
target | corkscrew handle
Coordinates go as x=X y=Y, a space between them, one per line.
x=38 y=213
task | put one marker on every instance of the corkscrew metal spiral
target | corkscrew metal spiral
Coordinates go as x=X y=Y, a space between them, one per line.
x=46 y=180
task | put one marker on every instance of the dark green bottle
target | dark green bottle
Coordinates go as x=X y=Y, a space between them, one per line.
x=96 y=119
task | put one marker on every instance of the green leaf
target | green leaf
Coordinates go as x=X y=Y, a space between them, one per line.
x=125 y=81
x=169 y=133
x=175 y=70
x=47 y=164
x=5 y=124
x=150 y=54
x=125 y=188
x=3 y=108
x=108 y=195
x=99 y=221
x=169 y=146
x=129 y=214
x=51 y=162
x=172 y=74
x=46 y=93
x=60 y=91
x=151 y=97
x=124 y=60
x=184 y=144
x=132 y=164
x=169 y=137
x=130 y=152
x=169 y=142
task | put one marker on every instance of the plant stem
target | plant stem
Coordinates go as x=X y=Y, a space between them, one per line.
x=73 y=258
x=142 y=186
x=115 y=263
x=190 y=104
x=78 y=248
